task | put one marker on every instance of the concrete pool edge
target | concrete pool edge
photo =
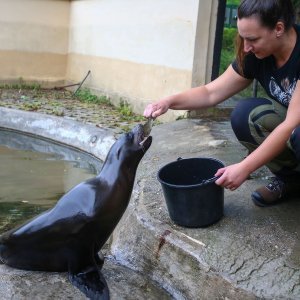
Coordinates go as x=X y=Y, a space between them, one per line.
x=85 y=137
x=251 y=253
x=177 y=258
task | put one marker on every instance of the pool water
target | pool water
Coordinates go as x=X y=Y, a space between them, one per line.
x=35 y=173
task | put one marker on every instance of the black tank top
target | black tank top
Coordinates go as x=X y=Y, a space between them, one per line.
x=279 y=83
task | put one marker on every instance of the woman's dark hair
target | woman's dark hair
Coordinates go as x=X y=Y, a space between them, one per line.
x=268 y=12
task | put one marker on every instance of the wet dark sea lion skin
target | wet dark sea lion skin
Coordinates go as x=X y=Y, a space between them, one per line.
x=69 y=236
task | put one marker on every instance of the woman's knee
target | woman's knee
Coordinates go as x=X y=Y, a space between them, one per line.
x=240 y=118
x=240 y=113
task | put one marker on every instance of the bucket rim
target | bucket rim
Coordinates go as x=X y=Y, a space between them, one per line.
x=189 y=186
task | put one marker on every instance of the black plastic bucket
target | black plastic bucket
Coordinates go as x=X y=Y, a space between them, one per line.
x=192 y=197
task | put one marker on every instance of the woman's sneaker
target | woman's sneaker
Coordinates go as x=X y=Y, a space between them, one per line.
x=270 y=194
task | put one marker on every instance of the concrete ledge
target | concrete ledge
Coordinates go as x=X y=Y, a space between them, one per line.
x=250 y=253
x=25 y=285
x=88 y=138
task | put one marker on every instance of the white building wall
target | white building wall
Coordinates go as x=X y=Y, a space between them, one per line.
x=34 y=40
x=140 y=50
x=155 y=32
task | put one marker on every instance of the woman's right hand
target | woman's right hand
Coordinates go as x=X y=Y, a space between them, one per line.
x=156 y=109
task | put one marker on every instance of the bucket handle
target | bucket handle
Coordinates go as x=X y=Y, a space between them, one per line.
x=206 y=181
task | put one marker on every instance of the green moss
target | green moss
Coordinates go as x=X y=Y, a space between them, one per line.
x=85 y=95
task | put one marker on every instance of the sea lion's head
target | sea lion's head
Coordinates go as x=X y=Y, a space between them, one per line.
x=132 y=145
x=139 y=138
x=144 y=139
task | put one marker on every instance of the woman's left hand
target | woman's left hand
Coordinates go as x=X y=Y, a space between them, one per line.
x=232 y=176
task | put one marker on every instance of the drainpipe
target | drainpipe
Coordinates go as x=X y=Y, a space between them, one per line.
x=218 y=39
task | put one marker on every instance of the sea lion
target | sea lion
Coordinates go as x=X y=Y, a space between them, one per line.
x=69 y=236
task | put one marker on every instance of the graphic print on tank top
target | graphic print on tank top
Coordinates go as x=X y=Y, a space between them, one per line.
x=284 y=92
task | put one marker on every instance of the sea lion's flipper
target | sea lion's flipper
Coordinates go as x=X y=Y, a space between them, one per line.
x=92 y=283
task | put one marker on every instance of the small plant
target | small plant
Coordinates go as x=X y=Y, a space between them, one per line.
x=85 y=95
x=21 y=85
x=127 y=113
x=32 y=106
x=58 y=112
x=228 y=48
x=5 y=86
x=32 y=86
x=24 y=98
x=125 y=109
x=182 y=117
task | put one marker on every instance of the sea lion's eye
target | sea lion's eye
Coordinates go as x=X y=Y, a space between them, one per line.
x=130 y=135
x=118 y=153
